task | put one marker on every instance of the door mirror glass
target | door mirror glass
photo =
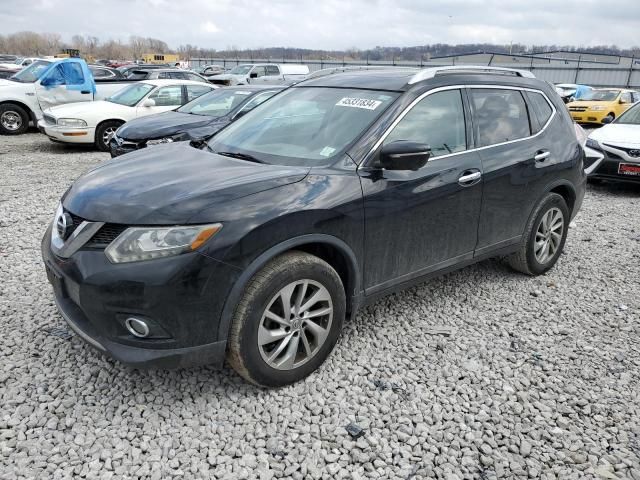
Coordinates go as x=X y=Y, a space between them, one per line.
x=149 y=102
x=404 y=155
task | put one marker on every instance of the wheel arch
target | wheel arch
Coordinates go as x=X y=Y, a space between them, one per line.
x=564 y=188
x=27 y=108
x=327 y=247
x=119 y=120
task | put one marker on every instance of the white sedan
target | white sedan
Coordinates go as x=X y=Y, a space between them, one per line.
x=96 y=122
x=618 y=145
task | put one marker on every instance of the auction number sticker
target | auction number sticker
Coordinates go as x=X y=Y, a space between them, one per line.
x=359 y=103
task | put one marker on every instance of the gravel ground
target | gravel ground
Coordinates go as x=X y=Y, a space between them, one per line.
x=538 y=378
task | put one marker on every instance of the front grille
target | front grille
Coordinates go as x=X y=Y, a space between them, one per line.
x=632 y=152
x=578 y=109
x=49 y=120
x=107 y=234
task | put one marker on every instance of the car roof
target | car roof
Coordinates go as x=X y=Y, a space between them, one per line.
x=403 y=79
x=173 y=81
x=253 y=88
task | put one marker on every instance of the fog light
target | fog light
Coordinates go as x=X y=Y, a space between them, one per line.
x=137 y=328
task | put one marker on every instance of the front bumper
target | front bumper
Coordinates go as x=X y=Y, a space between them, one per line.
x=589 y=116
x=67 y=134
x=607 y=167
x=181 y=297
x=119 y=146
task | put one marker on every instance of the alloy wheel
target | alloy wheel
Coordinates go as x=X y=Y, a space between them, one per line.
x=108 y=134
x=295 y=324
x=549 y=235
x=11 y=120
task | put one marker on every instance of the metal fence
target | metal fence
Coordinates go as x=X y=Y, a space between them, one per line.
x=588 y=73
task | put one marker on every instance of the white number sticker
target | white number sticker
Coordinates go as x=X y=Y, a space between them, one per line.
x=359 y=103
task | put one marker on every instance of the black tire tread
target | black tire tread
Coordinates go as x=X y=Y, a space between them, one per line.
x=98 y=135
x=260 y=280
x=518 y=260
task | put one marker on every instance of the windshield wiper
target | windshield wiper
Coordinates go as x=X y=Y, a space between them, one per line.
x=241 y=156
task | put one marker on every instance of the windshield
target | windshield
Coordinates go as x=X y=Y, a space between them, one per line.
x=31 y=73
x=130 y=95
x=241 y=70
x=303 y=125
x=217 y=103
x=601 y=95
x=630 y=117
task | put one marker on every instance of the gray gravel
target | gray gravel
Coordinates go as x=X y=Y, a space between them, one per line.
x=538 y=378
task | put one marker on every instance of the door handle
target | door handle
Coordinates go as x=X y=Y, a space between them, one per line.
x=85 y=92
x=541 y=155
x=469 y=178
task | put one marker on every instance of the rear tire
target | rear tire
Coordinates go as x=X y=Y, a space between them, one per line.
x=544 y=237
x=104 y=132
x=14 y=120
x=288 y=320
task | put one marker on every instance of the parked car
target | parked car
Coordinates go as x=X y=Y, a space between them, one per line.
x=261 y=73
x=96 y=122
x=101 y=73
x=197 y=120
x=19 y=63
x=619 y=146
x=334 y=192
x=602 y=105
x=209 y=70
x=166 y=73
x=45 y=84
x=570 y=92
x=126 y=69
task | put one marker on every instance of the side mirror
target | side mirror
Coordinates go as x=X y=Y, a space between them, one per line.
x=253 y=75
x=607 y=120
x=404 y=155
x=149 y=102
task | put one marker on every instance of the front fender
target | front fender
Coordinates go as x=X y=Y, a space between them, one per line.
x=256 y=265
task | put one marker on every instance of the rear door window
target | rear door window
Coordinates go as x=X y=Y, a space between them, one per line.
x=500 y=115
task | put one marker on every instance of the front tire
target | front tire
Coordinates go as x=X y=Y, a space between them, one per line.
x=14 y=120
x=288 y=320
x=544 y=237
x=104 y=133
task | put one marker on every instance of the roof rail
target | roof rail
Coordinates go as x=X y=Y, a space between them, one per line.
x=351 y=68
x=428 y=73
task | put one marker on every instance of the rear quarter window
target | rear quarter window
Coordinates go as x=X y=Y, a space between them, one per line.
x=540 y=108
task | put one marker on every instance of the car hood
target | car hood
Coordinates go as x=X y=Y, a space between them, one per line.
x=163 y=125
x=169 y=184
x=78 y=109
x=589 y=103
x=618 y=134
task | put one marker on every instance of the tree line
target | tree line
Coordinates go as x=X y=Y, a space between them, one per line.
x=41 y=44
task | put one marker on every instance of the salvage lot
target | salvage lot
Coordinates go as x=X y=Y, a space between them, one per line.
x=538 y=378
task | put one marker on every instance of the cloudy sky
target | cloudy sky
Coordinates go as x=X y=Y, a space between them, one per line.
x=333 y=24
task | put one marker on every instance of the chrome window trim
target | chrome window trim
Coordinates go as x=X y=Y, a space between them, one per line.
x=460 y=87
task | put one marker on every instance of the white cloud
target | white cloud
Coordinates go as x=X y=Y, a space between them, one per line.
x=334 y=24
x=210 y=27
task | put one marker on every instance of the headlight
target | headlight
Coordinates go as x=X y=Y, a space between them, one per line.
x=160 y=141
x=71 y=122
x=591 y=143
x=597 y=108
x=145 y=243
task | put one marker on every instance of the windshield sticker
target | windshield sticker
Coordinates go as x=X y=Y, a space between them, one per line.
x=359 y=103
x=327 y=151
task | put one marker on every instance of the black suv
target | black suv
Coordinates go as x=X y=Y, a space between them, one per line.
x=336 y=191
